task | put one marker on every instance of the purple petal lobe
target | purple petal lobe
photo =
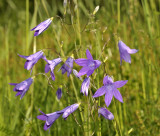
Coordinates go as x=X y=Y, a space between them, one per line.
x=52 y=75
x=105 y=113
x=90 y=72
x=18 y=93
x=22 y=56
x=82 y=62
x=88 y=54
x=107 y=80
x=97 y=63
x=119 y=84
x=108 y=97
x=13 y=84
x=47 y=68
x=83 y=71
x=42 y=117
x=117 y=95
x=85 y=86
x=101 y=91
x=70 y=110
x=132 y=51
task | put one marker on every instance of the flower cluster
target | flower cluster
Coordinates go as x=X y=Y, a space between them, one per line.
x=89 y=65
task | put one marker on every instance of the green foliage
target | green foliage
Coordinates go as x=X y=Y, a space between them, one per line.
x=136 y=22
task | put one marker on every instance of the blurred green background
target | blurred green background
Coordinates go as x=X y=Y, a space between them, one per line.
x=136 y=22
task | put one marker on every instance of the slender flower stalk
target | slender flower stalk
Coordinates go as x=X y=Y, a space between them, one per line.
x=42 y=26
x=22 y=88
x=125 y=52
x=110 y=90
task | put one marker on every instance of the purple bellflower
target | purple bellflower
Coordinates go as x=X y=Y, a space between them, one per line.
x=110 y=89
x=67 y=66
x=22 y=88
x=51 y=65
x=59 y=93
x=89 y=65
x=42 y=26
x=125 y=52
x=52 y=117
x=105 y=113
x=32 y=59
x=70 y=109
x=85 y=86
x=49 y=118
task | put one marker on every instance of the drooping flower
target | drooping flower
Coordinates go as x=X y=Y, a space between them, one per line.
x=51 y=65
x=32 y=59
x=22 y=88
x=59 y=93
x=125 y=52
x=85 y=86
x=49 y=118
x=42 y=26
x=70 y=109
x=67 y=66
x=105 y=113
x=89 y=65
x=52 y=117
x=110 y=90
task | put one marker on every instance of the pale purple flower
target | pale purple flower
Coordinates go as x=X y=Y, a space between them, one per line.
x=52 y=117
x=42 y=26
x=59 y=93
x=70 y=109
x=67 y=66
x=49 y=118
x=51 y=65
x=110 y=90
x=125 y=52
x=85 y=86
x=105 y=113
x=22 y=88
x=32 y=59
x=89 y=65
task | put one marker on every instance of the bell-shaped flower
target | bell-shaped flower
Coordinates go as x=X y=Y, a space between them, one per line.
x=59 y=93
x=125 y=52
x=51 y=65
x=22 y=88
x=89 y=65
x=42 y=26
x=70 y=109
x=52 y=117
x=49 y=118
x=105 y=113
x=85 y=86
x=32 y=59
x=110 y=90
x=67 y=66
